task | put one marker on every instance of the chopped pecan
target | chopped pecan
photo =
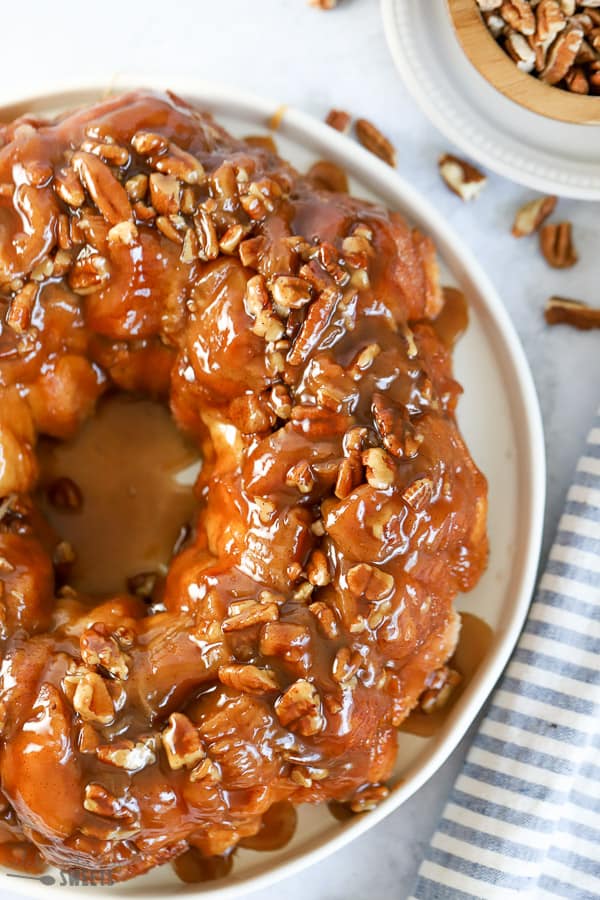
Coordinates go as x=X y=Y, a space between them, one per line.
x=350 y=475
x=248 y=679
x=88 y=274
x=181 y=165
x=244 y=613
x=301 y=476
x=90 y=696
x=182 y=742
x=345 y=665
x=440 y=687
x=317 y=320
x=137 y=187
x=100 y=648
x=108 y=194
x=290 y=292
x=418 y=493
x=208 y=244
x=532 y=215
x=461 y=177
x=369 y=581
x=380 y=468
x=317 y=569
x=69 y=188
x=165 y=194
x=21 y=307
x=131 y=755
x=325 y=616
x=299 y=708
x=556 y=244
x=562 y=311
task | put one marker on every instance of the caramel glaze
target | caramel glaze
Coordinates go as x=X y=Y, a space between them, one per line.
x=130 y=735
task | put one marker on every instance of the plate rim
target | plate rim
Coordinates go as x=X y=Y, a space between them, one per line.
x=510 y=166
x=302 y=126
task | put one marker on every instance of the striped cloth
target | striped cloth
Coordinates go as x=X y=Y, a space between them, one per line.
x=524 y=815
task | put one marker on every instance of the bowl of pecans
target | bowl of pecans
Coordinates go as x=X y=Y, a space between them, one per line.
x=542 y=54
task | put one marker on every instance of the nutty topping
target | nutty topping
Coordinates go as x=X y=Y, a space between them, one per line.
x=380 y=469
x=244 y=613
x=130 y=755
x=299 y=708
x=368 y=581
x=248 y=679
x=90 y=697
x=100 y=648
x=182 y=742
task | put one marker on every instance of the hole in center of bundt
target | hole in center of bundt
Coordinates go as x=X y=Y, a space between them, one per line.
x=118 y=494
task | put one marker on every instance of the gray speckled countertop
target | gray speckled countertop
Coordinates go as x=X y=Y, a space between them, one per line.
x=285 y=50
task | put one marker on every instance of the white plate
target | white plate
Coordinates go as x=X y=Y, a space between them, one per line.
x=500 y=417
x=550 y=156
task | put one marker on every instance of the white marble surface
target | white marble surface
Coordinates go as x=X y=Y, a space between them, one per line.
x=313 y=60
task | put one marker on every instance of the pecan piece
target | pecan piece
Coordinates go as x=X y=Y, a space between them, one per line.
x=461 y=177
x=325 y=616
x=563 y=53
x=299 y=708
x=373 y=140
x=418 y=493
x=368 y=581
x=317 y=320
x=317 y=569
x=339 y=119
x=532 y=215
x=345 y=665
x=563 y=311
x=165 y=194
x=550 y=20
x=19 y=314
x=519 y=15
x=556 y=244
x=130 y=755
x=100 y=648
x=440 y=687
x=108 y=194
x=90 y=697
x=182 y=742
x=380 y=469
x=68 y=187
x=248 y=679
x=520 y=50
x=244 y=613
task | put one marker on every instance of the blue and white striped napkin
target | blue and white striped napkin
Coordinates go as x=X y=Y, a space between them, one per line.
x=524 y=815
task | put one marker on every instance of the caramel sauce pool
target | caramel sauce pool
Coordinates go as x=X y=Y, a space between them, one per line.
x=453 y=320
x=135 y=471
x=473 y=644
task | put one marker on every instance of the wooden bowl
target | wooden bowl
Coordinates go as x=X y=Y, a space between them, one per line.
x=491 y=61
